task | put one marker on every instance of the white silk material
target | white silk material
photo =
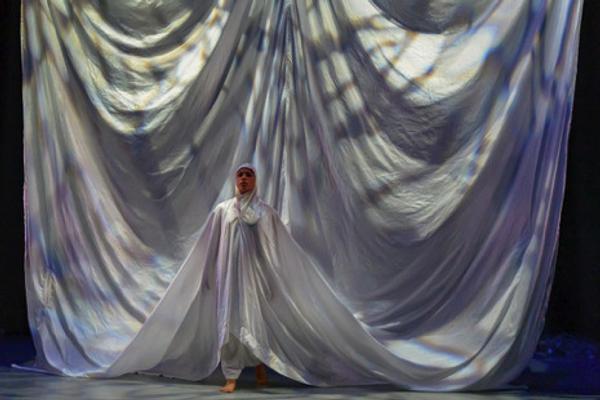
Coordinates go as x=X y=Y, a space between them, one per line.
x=410 y=160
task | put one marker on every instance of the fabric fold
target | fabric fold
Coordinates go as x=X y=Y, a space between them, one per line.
x=411 y=165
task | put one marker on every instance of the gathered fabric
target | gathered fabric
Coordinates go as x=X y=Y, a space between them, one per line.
x=410 y=161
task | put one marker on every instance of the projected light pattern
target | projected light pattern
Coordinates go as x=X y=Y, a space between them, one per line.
x=415 y=149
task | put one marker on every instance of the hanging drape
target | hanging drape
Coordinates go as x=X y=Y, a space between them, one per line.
x=415 y=151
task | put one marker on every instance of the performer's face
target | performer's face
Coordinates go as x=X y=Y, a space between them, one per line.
x=245 y=180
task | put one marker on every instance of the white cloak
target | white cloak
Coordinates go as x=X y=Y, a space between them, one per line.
x=256 y=283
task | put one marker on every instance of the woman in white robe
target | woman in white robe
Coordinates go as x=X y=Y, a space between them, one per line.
x=246 y=278
x=235 y=355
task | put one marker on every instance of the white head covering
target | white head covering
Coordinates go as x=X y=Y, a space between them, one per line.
x=244 y=165
x=244 y=202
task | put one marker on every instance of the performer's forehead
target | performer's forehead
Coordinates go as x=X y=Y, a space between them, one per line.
x=245 y=169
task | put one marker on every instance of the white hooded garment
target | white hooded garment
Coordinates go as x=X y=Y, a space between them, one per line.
x=254 y=282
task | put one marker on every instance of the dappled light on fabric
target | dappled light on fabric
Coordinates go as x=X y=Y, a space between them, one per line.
x=410 y=162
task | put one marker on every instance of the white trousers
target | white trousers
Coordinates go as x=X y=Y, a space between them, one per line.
x=234 y=357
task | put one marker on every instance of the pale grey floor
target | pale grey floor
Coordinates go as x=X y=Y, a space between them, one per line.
x=17 y=384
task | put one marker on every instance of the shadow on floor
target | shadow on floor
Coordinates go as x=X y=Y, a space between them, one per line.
x=563 y=367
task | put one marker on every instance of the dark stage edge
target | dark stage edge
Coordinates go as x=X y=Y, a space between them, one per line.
x=564 y=367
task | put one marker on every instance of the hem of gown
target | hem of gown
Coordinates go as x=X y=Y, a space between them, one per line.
x=280 y=367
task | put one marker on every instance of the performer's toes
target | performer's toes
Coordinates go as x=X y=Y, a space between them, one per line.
x=229 y=386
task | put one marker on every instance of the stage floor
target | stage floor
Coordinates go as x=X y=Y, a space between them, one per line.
x=559 y=377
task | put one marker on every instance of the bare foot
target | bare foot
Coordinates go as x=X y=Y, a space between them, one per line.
x=228 y=387
x=261 y=375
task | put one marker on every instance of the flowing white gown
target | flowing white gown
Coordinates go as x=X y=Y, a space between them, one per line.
x=255 y=283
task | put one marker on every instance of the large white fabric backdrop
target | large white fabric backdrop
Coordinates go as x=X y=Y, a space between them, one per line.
x=415 y=150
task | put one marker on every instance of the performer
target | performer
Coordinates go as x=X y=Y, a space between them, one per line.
x=234 y=355
x=262 y=300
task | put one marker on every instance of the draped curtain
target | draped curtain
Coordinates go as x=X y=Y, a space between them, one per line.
x=415 y=149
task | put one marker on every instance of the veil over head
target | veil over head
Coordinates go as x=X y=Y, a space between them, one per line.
x=246 y=165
